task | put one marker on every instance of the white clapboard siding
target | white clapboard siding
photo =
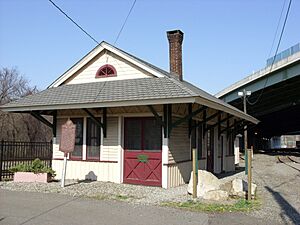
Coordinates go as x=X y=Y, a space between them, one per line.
x=179 y=174
x=125 y=70
x=56 y=153
x=110 y=149
x=82 y=170
x=179 y=143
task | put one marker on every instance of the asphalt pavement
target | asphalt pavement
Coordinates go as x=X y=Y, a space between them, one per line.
x=30 y=208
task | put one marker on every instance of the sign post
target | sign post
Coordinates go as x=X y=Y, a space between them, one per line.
x=249 y=159
x=67 y=144
x=63 y=176
x=195 y=172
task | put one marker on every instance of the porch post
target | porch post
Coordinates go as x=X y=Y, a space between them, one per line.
x=54 y=126
x=165 y=160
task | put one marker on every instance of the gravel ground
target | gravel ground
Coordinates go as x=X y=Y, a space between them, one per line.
x=105 y=190
x=278 y=190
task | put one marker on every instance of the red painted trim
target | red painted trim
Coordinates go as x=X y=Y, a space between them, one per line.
x=132 y=154
x=102 y=161
x=94 y=159
x=110 y=75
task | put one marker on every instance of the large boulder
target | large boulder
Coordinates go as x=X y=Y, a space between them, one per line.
x=206 y=182
x=240 y=187
x=216 y=195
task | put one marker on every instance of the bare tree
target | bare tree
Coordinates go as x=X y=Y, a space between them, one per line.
x=17 y=126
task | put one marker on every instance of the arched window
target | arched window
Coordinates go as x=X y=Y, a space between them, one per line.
x=106 y=71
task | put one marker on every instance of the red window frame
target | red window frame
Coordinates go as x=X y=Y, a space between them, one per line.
x=102 y=68
x=142 y=144
x=89 y=158
x=80 y=145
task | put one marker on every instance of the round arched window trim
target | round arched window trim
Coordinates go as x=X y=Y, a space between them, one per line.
x=106 y=70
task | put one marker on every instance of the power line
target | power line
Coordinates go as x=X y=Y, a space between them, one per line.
x=133 y=4
x=90 y=36
x=279 y=41
x=273 y=42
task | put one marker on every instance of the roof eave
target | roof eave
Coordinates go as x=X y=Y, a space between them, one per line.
x=224 y=108
x=99 y=104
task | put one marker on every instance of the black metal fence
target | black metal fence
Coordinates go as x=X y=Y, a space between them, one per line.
x=14 y=153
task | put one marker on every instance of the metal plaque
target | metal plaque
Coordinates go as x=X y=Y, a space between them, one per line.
x=67 y=139
x=142 y=158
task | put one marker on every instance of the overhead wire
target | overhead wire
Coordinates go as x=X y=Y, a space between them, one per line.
x=273 y=61
x=80 y=27
x=122 y=27
x=89 y=35
x=125 y=21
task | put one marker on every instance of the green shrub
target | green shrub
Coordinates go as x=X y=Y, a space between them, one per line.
x=36 y=166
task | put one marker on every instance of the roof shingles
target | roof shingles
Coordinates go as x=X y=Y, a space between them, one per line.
x=108 y=91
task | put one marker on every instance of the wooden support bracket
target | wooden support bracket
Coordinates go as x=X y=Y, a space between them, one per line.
x=231 y=126
x=157 y=117
x=189 y=116
x=54 y=123
x=98 y=122
x=39 y=117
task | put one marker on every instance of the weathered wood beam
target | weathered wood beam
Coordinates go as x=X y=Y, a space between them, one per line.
x=104 y=128
x=189 y=116
x=243 y=127
x=167 y=108
x=98 y=122
x=157 y=117
x=204 y=123
x=212 y=117
x=54 y=123
x=169 y=119
x=231 y=126
x=221 y=121
x=190 y=111
x=219 y=130
x=41 y=119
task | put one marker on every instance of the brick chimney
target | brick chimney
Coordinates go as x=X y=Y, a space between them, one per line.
x=175 y=38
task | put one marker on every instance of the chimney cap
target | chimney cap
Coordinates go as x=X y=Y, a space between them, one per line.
x=175 y=32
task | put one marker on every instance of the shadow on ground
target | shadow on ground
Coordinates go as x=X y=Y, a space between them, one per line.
x=287 y=209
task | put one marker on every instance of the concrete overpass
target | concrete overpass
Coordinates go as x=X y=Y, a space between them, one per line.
x=278 y=108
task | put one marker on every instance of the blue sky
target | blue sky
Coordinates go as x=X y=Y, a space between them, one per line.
x=224 y=40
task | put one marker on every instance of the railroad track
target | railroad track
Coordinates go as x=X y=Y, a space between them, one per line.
x=286 y=159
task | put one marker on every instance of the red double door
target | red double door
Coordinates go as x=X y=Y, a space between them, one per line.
x=143 y=148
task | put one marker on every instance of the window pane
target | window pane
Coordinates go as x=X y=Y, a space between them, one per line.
x=133 y=131
x=152 y=134
x=77 y=153
x=93 y=139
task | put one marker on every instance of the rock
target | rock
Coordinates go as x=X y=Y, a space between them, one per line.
x=206 y=182
x=216 y=195
x=240 y=187
x=227 y=186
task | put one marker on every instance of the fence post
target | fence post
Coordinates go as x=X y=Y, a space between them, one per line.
x=1 y=158
x=51 y=152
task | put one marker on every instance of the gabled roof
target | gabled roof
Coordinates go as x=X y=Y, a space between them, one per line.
x=163 y=88
x=143 y=91
x=97 y=50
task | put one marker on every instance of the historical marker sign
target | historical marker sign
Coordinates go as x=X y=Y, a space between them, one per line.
x=67 y=139
x=67 y=144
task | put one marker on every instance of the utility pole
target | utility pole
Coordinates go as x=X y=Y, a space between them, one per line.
x=244 y=95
